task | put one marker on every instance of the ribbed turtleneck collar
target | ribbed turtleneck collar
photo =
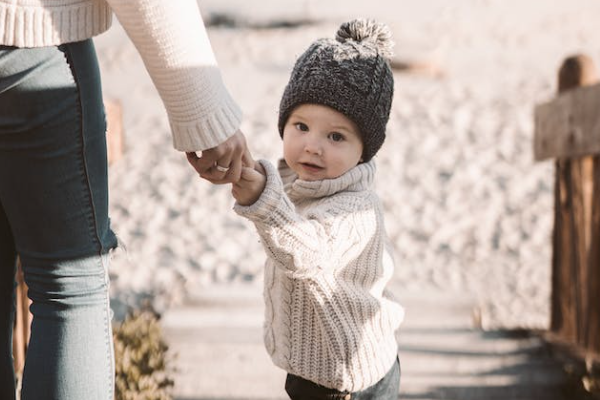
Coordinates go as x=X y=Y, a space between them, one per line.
x=358 y=178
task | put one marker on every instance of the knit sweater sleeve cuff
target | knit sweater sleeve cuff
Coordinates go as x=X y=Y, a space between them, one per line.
x=269 y=200
x=214 y=126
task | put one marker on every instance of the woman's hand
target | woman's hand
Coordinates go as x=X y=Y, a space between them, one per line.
x=223 y=163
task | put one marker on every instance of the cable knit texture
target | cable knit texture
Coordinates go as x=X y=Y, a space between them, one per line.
x=172 y=40
x=328 y=317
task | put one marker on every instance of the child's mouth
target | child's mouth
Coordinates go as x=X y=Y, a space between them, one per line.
x=311 y=167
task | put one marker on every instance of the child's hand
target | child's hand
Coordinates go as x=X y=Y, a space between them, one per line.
x=258 y=167
x=250 y=186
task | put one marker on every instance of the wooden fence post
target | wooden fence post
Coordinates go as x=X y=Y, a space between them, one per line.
x=592 y=339
x=574 y=196
x=568 y=129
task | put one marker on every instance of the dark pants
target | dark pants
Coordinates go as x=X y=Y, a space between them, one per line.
x=54 y=215
x=386 y=389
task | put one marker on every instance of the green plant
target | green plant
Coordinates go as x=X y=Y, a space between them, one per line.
x=142 y=369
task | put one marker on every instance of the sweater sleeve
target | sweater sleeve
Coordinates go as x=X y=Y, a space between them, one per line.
x=329 y=238
x=173 y=43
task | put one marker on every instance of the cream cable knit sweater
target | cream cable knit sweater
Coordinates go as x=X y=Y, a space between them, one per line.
x=169 y=35
x=328 y=317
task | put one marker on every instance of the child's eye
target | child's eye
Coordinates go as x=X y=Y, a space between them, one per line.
x=301 y=127
x=336 y=137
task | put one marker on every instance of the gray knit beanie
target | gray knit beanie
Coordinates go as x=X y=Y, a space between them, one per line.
x=350 y=74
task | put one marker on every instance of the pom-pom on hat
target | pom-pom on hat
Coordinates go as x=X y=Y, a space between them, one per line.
x=350 y=74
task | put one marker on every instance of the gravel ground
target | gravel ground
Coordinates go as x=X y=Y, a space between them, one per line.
x=466 y=206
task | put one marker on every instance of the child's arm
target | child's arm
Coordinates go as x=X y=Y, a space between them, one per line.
x=306 y=246
x=250 y=186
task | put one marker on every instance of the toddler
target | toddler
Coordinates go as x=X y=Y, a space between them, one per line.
x=329 y=322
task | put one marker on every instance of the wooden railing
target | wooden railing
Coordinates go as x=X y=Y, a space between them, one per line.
x=567 y=129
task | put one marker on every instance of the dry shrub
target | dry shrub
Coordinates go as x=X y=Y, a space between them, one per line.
x=142 y=369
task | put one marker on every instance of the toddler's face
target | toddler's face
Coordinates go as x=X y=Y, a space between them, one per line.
x=320 y=142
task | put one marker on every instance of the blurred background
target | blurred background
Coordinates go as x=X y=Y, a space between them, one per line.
x=467 y=208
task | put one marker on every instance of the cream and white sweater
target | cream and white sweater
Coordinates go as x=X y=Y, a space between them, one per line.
x=172 y=40
x=328 y=317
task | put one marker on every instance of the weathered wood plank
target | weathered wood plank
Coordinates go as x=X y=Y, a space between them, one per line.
x=564 y=299
x=592 y=340
x=580 y=219
x=568 y=126
x=575 y=317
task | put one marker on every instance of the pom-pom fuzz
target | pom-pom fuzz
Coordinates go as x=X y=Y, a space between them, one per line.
x=366 y=30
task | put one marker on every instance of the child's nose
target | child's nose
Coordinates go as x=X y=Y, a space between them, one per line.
x=313 y=146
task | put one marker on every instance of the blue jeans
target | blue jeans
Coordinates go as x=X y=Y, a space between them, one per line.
x=386 y=389
x=54 y=216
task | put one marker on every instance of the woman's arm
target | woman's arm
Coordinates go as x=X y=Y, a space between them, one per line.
x=172 y=40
